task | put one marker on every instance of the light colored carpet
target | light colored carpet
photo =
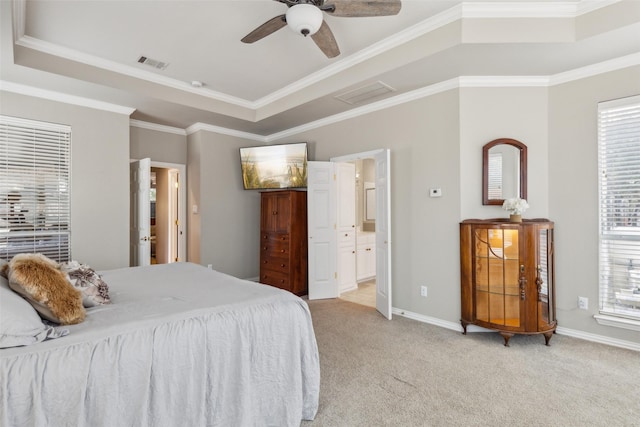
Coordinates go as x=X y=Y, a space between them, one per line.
x=376 y=372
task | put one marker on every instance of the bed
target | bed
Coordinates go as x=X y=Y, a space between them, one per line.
x=179 y=345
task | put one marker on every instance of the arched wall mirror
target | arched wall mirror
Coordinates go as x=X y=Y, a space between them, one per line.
x=504 y=171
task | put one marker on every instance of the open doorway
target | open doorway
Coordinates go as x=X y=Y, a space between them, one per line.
x=167 y=213
x=157 y=212
x=330 y=259
x=363 y=291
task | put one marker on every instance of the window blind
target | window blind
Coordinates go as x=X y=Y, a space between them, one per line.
x=619 y=194
x=34 y=188
x=495 y=176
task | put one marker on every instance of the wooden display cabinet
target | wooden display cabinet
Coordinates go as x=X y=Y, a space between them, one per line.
x=507 y=276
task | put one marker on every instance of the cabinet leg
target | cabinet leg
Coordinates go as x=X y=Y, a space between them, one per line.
x=547 y=337
x=464 y=327
x=507 y=336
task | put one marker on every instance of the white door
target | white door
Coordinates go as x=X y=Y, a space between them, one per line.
x=383 y=233
x=321 y=219
x=346 y=225
x=383 y=225
x=140 y=228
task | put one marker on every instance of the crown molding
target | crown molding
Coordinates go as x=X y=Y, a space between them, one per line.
x=531 y=9
x=437 y=21
x=370 y=108
x=455 y=83
x=131 y=71
x=156 y=127
x=562 y=9
x=224 y=131
x=587 y=6
x=64 y=98
x=595 y=69
x=503 y=81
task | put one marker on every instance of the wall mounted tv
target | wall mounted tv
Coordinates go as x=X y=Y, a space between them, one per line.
x=274 y=166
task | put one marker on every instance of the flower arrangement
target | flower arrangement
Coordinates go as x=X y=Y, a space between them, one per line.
x=516 y=205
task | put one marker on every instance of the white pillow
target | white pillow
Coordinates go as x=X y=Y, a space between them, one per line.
x=19 y=321
x=94 y=290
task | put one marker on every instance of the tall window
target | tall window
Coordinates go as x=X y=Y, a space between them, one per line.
x=619 y=168
x=34 y=188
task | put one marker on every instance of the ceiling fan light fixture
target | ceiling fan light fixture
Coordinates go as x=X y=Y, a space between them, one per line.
x=304 y=19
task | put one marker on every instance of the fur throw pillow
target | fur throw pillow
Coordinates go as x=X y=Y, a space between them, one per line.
x=38 y=279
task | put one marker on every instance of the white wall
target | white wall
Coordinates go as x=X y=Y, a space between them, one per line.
x=225 y=232
x=491 y=113
x=158 y=146
x=573 y=193
x=424 y=140
x=99 y=176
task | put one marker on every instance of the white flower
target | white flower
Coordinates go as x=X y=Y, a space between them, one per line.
x=515 y=205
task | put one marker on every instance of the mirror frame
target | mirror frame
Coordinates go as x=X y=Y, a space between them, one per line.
x=485 y=169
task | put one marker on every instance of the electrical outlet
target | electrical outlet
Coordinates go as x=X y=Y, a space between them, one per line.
x=423 y=291
x=210 y=266
x=583 y=303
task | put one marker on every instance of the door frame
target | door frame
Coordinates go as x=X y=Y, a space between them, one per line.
x=383 y=204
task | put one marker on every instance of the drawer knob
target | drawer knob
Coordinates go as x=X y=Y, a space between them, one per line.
x=282 y=265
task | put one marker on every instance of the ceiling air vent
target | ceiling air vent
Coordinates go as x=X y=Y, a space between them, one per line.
x=365 y=93
x=159 y=65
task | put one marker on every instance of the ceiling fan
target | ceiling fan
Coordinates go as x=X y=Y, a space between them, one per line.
x=305 y=17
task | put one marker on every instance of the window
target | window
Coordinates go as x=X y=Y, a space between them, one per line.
x=34 y=188
x=619 y=190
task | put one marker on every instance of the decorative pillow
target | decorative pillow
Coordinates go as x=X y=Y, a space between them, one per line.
x=37 y=278
x=94 y=290
x=19 y=322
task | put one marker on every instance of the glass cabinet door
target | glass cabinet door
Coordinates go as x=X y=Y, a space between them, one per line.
x=544 y=277
x=496 y=264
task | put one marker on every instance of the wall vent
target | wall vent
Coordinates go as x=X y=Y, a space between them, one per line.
x=159 y=65
x=365 y=93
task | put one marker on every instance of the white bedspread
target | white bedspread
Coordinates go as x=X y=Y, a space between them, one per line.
x=181 y=345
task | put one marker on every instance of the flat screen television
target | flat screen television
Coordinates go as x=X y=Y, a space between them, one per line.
x=274 y=166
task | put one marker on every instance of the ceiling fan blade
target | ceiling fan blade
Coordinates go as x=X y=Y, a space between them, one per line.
x=326 y=41
x=362 y=8
x=269 y=27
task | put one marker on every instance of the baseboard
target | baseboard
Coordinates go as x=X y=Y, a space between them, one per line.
x=601 y=339
x=438 y=322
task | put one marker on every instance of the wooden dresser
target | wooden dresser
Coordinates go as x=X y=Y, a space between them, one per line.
x=283 y=240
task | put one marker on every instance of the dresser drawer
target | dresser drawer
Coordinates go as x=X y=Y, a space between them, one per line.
x=274 y=248
x=279 y=264
x=274 y=237
x=275 y=278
